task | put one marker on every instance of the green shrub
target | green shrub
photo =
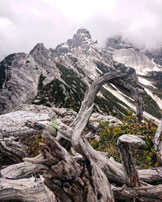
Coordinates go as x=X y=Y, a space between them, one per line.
x=144 y=156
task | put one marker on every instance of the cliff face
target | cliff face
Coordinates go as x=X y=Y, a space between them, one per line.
x=59 y=77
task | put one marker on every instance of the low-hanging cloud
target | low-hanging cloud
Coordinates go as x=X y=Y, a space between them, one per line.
x=23 y=23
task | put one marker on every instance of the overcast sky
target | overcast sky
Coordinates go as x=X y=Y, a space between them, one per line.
x=23 y=23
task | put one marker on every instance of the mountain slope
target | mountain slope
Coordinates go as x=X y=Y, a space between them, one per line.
x=148 y=66
x=61 y=76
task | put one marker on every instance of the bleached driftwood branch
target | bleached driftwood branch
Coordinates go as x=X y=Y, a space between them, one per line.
x=28 y=190
x=21 y=170
x=143 y=193
x=93 y=90
x=132 y=178
x=12 y=150
x=158 y=142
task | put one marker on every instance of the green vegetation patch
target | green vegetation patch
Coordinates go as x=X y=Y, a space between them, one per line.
x=111 y=104
x=68 y=93
x=144 y=156
x=151 y=106
x=2 y=75
x=33 y=143
x=3 y=67
x=156 y=78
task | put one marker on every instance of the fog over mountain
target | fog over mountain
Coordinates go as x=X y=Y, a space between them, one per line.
x=23 y=23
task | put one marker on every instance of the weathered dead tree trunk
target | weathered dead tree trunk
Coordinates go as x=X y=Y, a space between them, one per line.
x=28 y=190
x=113 y=170
x=79 y=143
x=22 y=170
x=158 y=142
x=11 y=151
x=132 y=178
x=143 y=193
x=85 y=176
x=11 y=148
x=90 y=96
x=71 y=181
x=93 y=90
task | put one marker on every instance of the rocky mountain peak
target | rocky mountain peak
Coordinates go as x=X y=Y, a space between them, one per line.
x=81 y=38
x=39 y=52
x=39 y=47
x=84 y=32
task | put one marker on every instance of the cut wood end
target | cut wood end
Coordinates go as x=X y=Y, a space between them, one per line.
x=131 y=139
